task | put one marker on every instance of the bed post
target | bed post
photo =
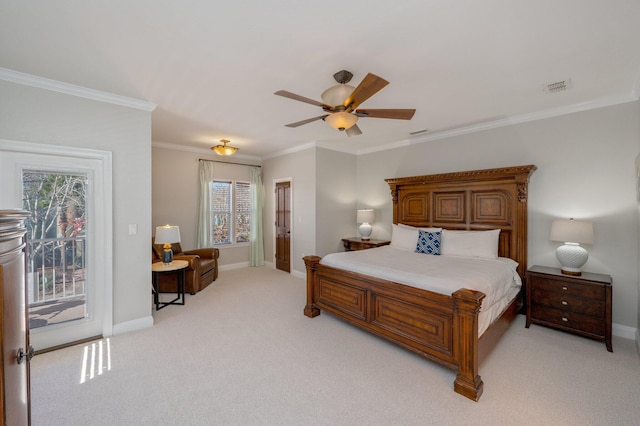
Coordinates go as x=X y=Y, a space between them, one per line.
x=311 y=262
x=466 y=309
x=394 y=200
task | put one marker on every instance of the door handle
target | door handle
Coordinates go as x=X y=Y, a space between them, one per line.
x=22 y=354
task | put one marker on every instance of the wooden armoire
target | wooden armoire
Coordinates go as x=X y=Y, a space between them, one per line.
x=16 y=352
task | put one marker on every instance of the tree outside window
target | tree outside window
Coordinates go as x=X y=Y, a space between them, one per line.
x=231 y=211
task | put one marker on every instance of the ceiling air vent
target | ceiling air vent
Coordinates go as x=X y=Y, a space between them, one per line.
x=558 y=86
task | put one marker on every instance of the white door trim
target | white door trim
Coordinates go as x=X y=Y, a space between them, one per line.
x=104 y=235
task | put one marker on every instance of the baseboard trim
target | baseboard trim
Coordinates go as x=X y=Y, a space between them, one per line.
x=624 y=331
x=638 y=341
x=299 y=274
x=133 y=325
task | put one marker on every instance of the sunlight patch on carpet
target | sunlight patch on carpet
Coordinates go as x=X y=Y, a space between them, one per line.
x=96 y=360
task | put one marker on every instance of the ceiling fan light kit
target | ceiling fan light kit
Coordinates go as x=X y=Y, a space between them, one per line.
x=224 y=149
x=339 y=102
x=341 y=120
x=337 y=95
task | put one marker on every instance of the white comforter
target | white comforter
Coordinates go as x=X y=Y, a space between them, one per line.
x=498 y=279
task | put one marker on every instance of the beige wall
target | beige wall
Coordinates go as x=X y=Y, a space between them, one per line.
x=324 y=201
x=300 y=168
x=337 y=197
x=585 y=170
x=29 y=114
x=175 y=195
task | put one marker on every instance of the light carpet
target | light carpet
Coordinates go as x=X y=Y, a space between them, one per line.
x=241 y=352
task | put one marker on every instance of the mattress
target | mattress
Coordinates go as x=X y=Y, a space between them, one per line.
x=497 y=278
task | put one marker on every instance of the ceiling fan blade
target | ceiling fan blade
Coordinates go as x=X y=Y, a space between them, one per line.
x=295 y=97
x=368 y=87
x=398 y=114
x=353 y=131
x=308 y=120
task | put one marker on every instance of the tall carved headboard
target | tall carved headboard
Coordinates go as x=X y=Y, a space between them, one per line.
x=472 y=200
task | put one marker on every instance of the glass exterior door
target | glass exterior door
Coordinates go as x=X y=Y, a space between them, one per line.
x=68 y=193
x=56 y=246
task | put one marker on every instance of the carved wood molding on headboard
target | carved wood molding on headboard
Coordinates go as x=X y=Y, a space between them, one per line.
x=471 y=200
x=517 y=172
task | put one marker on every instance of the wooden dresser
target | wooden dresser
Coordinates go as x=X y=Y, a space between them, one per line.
x=355 y=243
x=577 y=304
x=14 y=331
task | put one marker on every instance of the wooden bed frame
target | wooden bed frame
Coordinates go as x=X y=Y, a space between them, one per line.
x=439 y=327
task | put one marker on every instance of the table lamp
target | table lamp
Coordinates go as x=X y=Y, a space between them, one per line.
x=365 y=217
x=167 y=235
x=572 y=233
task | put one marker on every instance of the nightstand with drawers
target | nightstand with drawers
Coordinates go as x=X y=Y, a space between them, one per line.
x=576 y=304
x=355 y=243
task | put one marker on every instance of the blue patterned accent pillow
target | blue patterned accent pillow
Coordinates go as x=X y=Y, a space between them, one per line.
x=428 y=242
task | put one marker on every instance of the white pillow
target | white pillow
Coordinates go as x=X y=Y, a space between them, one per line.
x=512 y=263
x=470 y=243
x=404 y=237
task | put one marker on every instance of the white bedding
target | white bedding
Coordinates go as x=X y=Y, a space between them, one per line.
x=498 y=278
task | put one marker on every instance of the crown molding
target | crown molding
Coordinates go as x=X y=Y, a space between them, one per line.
x=73 y=90
x=515 y=119
x=290 y=150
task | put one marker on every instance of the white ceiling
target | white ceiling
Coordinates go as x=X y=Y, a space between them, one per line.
x=212 y=67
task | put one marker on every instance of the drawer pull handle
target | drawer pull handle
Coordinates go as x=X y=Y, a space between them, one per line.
x=565 y=319
x=564 y=302
x=565 y=288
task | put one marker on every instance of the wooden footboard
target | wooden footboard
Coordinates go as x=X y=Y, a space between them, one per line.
x=439 y=327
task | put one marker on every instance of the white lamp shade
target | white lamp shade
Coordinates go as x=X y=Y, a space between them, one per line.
x=365 y=216
x=167 y=234
x=571 y=231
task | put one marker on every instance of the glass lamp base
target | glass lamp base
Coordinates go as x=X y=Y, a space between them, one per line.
x=167 y=257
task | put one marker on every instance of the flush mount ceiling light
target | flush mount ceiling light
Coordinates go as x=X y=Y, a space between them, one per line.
x=224 y=149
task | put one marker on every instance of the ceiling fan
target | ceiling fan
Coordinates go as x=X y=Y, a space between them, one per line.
x=340 y=103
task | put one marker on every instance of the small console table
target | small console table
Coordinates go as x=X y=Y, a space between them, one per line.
x=177 y=266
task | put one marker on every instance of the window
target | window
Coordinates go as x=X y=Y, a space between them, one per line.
x=231 y=211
